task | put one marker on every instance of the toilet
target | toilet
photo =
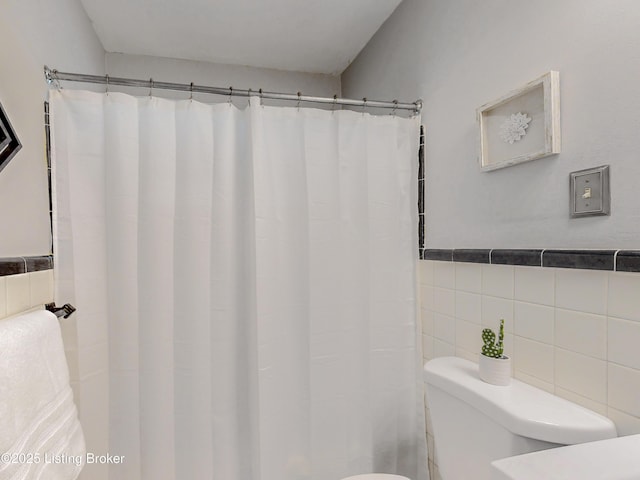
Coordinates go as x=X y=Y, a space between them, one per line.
x=475 y=423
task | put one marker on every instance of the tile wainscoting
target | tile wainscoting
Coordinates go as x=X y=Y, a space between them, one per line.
x=573 y=332
x=25 y=283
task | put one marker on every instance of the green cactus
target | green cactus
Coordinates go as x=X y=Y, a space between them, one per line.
x=490 y=347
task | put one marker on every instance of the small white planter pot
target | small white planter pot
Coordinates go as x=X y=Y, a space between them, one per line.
x=496 y=371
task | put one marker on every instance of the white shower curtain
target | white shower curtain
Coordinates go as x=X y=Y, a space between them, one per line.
x=245 y=285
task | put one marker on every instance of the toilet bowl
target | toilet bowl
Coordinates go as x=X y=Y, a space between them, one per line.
x=475 y=423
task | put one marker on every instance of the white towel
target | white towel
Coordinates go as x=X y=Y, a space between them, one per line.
x=40 y=435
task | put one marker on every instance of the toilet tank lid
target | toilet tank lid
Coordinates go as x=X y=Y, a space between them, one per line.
x=520 y=408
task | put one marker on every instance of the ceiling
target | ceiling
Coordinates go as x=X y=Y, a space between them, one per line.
x=318 y=36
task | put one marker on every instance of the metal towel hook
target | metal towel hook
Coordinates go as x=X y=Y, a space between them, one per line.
x=65 y=311
x=150 y=87
x=335 y=102
x=261 y=98
x=230 y=94
x=191 y=91
x=395 y=107
x=107 y=88
x=364 y=105
x=249 y=97
x=299 y=95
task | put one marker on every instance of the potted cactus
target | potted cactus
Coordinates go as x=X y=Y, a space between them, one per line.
x=494 y=367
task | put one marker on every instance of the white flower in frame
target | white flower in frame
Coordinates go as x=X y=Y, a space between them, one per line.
x=514 y=127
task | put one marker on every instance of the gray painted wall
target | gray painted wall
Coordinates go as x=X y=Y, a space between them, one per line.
x=217 y=75
x=457 y=55
x=34 y=33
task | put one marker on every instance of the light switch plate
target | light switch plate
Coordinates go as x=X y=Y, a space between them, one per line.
x=590 y=192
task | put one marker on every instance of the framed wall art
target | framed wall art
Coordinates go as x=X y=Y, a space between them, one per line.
x=522 y=125
x=9 y=143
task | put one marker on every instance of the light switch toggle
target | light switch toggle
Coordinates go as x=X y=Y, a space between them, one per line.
x=587 y=193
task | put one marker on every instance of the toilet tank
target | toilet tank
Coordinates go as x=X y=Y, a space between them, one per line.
x=475 y=423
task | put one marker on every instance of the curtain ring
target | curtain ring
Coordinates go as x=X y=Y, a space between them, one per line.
x=55 y=80
x=335 y=102
x=107 y=89
x=299 y=95
x=150 y=87
x=191 y=90
x=230 y=94
x=395 y=107
x=364 y=104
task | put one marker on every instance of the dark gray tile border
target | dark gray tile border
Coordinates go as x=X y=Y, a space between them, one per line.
x=12 y=266
x=471 y=255
x=628 y=261
x=529 y=258
x=438 y=254
x=608 y=260
x=584 y=259
x=17 y=265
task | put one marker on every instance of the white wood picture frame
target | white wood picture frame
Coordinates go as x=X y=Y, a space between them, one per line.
x=538 y=101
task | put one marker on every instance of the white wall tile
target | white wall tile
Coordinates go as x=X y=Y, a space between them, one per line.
x=497 y=280
x=625 y=423
x=624 y=295
x=533 y=321
x=3 y=297
x=533 y=358
x=556 y=330
x=585 y=402
x=427 y=321
x=534 y=285
x=536 y=382
x=509 y=348
x=469 y=337
x=427 y=347
x=18 y=293
x=426 y=297
x=443 y=349
x=444 y=328
x=41 y=287
x=444 y=301
x=580 y=332
x=468 y=277
x=444 y=274
x=469 y=306
x=586 y=376
x=494 y=309
x=624 y=389
x=462 y=353
x=425 y=272
x=624 y=343
x=582 y=290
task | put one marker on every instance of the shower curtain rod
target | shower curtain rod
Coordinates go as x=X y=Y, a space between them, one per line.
x=52 y=76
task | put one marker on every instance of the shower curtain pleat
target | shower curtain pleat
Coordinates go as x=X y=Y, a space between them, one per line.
x=245 y=284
